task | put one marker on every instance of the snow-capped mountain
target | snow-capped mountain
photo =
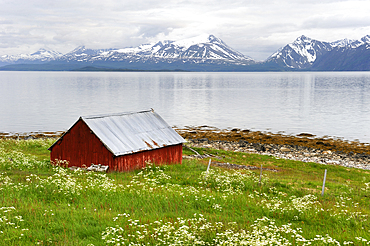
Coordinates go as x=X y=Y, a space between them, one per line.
x=202 y=53
x=194 y=50
x=82 y=53
x=305 y=53
x=40 y=56
x=302 y=53
x=353 y=57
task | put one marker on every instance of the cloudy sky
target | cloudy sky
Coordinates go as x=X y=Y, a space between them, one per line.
x=256 y=28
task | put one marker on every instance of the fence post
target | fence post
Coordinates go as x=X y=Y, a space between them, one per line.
x=209 y=163
x=323 y=183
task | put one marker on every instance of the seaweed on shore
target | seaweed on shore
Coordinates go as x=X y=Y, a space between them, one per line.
x=305 y=140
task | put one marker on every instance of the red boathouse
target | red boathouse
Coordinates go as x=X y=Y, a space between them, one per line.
x=123 y=141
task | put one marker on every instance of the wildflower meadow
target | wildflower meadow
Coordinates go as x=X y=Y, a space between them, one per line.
x=46 y=203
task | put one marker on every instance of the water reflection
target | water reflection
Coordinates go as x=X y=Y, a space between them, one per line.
x=335 y=104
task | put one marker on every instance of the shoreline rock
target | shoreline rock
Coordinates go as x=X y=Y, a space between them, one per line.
x=303 y=147
x=291 y=152
x=30 y=135
x=266 y=138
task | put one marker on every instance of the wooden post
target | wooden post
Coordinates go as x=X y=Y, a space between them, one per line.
x=209 y=163
x=323 y=183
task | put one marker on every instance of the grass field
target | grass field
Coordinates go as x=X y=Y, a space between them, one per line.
x=183 y=204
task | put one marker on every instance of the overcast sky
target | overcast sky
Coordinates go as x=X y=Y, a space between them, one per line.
x=256 y=28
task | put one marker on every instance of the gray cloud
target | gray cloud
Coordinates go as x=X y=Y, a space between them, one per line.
x=255 y=27
x=330 y=22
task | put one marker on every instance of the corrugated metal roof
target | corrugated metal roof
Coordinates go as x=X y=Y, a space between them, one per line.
x=131 y=132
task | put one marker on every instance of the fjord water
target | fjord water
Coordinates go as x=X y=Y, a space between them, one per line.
x=321 y=103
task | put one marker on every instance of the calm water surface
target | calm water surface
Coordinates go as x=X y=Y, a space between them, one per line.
x=322 y=103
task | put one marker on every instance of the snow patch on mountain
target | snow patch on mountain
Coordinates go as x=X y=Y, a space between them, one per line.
x=303 y=46
x=42 y=55
x=366 y=40
x=201 y=39
x=344 y=42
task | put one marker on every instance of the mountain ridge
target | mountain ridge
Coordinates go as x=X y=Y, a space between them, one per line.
x=201 y=53
x=202 y=50
x=42 y=55
x=307 y=53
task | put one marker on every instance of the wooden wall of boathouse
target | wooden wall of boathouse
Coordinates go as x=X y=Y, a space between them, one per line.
x=81 y=148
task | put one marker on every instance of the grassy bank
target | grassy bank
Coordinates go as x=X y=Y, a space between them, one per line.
x=179 y=204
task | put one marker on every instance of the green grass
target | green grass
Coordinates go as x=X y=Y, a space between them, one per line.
x=179 y=204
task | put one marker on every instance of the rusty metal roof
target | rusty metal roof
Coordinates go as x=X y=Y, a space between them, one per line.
x=131 y=132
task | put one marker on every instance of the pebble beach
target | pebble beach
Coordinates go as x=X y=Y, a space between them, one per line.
x=302 y=147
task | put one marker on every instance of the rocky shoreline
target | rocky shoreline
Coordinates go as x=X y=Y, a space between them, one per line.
x=30 y=135
x=303 y=147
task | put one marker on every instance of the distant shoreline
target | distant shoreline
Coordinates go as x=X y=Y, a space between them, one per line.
x=31 y=135
x=235 y=135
